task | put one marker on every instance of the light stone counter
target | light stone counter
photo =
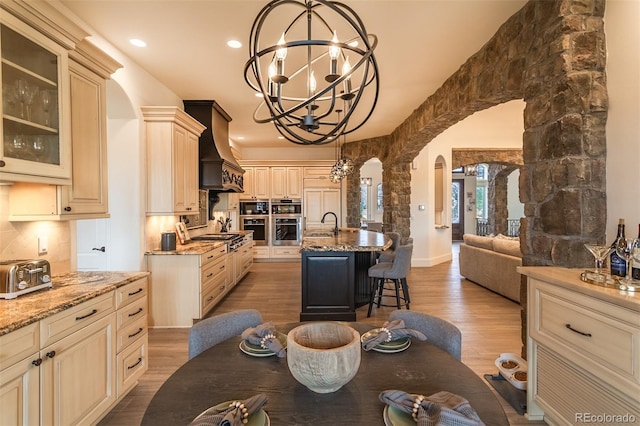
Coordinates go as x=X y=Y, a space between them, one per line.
x=68 y=290
x=359 y=240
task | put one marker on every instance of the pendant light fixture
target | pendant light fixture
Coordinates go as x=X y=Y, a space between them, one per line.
x=343 y=166
x=301 y=106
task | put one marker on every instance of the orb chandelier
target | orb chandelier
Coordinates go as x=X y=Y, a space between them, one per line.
x=319 y=38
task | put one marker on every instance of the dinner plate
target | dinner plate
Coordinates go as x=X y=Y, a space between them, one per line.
x=390 y=347
x=261 y=418
x=259 y=351
x=395 y=417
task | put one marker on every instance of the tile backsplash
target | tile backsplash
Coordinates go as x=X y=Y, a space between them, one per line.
x=19 y=240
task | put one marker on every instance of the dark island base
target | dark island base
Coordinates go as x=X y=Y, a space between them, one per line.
x=334 y=284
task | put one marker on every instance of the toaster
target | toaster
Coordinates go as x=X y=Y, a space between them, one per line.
x=19 y=277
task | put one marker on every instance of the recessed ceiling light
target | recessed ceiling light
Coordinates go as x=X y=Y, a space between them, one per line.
x=137 y=42
x=259 y=95
x=234 y=44
x=240 y=138
x=280 y=137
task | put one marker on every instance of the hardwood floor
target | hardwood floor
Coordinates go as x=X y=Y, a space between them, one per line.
x=490 y=324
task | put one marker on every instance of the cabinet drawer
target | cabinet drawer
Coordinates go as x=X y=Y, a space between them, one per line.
x=285 y=252
x=130 y=333
x=131 y=363
x=130 y=292
x=583 y=328
x=18 y=344
x=68 y=321
x=260 y=252
x=213 y=272
x=211 y=297
x=215 y=254
x=131 y=313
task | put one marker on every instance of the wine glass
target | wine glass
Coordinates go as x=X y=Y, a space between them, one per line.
x=45 y=102
x=32 y=91
x=39 y=148
x=22 y=90
x=599 y=253
x=624 y=248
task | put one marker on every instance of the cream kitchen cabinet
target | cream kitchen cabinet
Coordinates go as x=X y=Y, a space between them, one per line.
x=20 y=376
x=172 y=161
x=583 y=350
x=318 y=201
x=86 y=197
x=318 y=177
x=286 y=182
x=185 y=288
x=70 y=378
x=35 y=105
x=74 y=366
x=256 y=183
x=132 y=337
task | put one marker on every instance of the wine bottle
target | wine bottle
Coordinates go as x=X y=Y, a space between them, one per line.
x=617 y=264
x=635 y=270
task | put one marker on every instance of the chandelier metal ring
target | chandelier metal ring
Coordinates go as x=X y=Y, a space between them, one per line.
x=303 y=111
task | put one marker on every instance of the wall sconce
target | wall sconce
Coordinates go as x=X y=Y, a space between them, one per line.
x=365 y=181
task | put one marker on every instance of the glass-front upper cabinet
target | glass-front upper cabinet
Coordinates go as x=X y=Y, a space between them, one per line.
x=34 y=143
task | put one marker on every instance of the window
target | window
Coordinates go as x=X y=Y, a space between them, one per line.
x=481 y=192
x=455 y=202
x=364 y=201
x=379 y=195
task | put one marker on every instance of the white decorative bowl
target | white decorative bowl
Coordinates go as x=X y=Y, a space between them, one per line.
x=323 y=356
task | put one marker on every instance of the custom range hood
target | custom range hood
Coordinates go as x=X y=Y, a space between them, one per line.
x=219 y=170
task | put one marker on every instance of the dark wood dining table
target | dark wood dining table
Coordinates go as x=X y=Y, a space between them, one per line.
x=225 y=373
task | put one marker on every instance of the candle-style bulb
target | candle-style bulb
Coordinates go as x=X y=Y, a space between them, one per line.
x=281 y=52
x=334 y=50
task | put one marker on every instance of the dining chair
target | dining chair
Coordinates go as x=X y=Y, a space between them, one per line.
x=211 y=331
x=440 y=332
x=396 y=272
x=389 y=254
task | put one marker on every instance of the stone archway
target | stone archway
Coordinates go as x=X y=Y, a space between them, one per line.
x=551 y=54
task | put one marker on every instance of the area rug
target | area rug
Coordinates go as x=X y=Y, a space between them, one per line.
x=515 y=397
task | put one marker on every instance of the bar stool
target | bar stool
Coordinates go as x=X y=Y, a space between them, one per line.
x=389 y=254
x=395 y=271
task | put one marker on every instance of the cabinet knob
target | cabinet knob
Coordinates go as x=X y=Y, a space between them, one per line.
x=67 y=209
x=2 y=163
x=37 y=362
x=51 y=354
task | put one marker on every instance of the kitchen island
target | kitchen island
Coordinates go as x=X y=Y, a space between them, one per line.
x=335 y=278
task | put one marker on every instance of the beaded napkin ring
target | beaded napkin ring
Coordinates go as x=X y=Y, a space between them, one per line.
x=386 y=330
x=416 y=405
x=243 y=410
x=264 y=340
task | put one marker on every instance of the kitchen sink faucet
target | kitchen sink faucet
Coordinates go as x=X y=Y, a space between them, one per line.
x=335 y=230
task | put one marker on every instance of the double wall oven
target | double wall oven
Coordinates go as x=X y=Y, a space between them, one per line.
x=254 y=216
x=286 y=229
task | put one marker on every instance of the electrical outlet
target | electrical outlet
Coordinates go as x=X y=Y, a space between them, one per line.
x=43 y=245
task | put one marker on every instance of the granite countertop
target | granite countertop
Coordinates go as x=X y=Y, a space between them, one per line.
x=196 y=247
x=357 y=240
x=69 y=290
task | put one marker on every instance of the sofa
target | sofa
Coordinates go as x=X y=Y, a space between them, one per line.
x=491 y=262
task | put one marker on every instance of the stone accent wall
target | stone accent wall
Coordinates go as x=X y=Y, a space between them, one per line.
x=551 y=54
x=464 y=157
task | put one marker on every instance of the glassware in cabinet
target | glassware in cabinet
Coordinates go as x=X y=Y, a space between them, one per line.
x=31 y=98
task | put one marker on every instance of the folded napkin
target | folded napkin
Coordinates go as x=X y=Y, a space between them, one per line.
x=235 y=414
x=441 y=409
x=264 y=335
x=389 y=331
